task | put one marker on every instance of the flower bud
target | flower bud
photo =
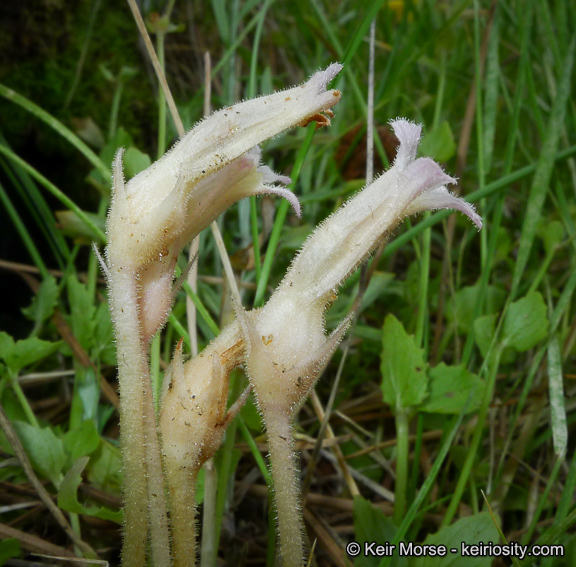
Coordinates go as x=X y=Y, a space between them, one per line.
x=192 y=423
x=194 y=415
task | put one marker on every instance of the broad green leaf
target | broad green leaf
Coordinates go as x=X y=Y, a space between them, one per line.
x=106 y=73
x=19 y=354
x=370 y=524
x=44 y=449
x=450 y=389
x=6 y=345
x=438 y=143
x=468 y=531
x=82 y=312
x=68 y=495
x=43 y=304
x=461 y=308
x=135 y=161
x=105 y=470
x=404 y=381
x=11 y=405
x=81 y=441
x=9 y=548
x=526 y=323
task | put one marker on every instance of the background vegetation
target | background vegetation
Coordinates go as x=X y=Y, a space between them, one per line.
x=479 y=327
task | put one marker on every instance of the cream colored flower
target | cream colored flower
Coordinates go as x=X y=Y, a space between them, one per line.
x=285 y=340
x=216 y=164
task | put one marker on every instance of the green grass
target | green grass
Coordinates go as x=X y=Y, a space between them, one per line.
x=462 y=294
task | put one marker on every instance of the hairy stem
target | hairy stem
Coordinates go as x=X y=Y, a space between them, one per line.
x=286 y=489
x=143 y=489
x=181 y=481
x=157 y=506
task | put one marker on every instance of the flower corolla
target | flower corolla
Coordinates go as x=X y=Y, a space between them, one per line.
x=217 y=163
x=286 y=344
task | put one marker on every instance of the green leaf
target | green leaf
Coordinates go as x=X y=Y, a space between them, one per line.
x=73 y=226
x=86 y=396
x=82 y=441
x=438 y=143
x=82 y=313
x=105 y=469
x=68 y=495
x=20 y=354
x=461 y=308
x=468 y=531
x=44 y=449
x=370 y=524
x=43 y=304
x=122 y=139
x=89 y=132
x=9 y=548
x=404 y=381
x=450 y=389
x=526 y=323
x=135 y=161
x=6 y=345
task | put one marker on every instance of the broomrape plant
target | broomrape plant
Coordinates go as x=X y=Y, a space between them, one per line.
x=283 y=345
x=151 y=218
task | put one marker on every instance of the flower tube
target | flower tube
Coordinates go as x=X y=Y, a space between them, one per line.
x=286 y=347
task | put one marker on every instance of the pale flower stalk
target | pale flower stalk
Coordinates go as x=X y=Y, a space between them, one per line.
x=151 y=218
x=286 y=347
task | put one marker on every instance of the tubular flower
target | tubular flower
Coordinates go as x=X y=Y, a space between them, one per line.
x=292 y=322
x=216 y=164
x=286 y=346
